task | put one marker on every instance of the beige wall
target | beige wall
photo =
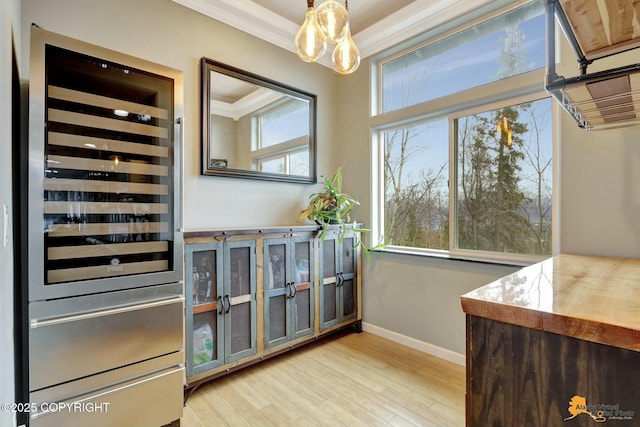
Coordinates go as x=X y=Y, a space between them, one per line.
x=600 y=191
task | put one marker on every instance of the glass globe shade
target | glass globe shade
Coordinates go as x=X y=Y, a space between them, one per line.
x=346 y=56
x=333 y=19
x=310 y=40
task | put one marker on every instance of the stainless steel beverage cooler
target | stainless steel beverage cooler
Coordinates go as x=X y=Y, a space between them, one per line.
x=105 y=252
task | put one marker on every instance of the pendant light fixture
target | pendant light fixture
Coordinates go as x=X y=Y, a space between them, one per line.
x=333 y=19
x=346 y=56
x=311 y=42
x=328 y=24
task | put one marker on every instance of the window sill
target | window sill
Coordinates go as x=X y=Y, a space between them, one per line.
x=445 y=255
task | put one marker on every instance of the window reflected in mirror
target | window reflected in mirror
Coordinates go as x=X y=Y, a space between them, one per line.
x=254 y=127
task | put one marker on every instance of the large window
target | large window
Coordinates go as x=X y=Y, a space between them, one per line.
x=465 y=155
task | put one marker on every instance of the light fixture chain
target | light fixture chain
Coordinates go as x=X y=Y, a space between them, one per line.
x=346 y=5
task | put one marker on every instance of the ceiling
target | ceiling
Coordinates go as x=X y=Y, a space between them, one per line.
x=363 y=13
x=375 y=24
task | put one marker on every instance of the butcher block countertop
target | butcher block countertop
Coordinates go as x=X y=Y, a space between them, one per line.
x=590 y=298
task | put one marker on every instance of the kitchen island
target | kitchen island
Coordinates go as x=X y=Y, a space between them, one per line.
x=556 y=343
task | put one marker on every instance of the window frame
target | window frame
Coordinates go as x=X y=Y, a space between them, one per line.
x=520 y=88
x=264 y=155
x=454 y=250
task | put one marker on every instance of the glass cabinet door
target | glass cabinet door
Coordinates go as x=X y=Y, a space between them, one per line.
x=347 y=286
x=329 y=282
x=338 y=293
x=277 y=291
x=288 y=289
x=240 y=299
x=302 y=298
x=204 y=322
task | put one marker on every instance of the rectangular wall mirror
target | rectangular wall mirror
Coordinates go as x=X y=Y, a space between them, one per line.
x=254 y=127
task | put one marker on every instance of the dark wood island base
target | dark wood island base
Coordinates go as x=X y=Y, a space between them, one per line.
x=556 y=344
x=518 y=376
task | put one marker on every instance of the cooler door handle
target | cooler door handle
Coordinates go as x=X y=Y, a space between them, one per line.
x=37 y=323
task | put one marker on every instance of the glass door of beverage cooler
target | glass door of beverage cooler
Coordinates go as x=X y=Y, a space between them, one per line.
x=103 y=156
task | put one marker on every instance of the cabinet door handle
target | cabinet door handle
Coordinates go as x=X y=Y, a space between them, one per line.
x=287 y=291
x=227 y=304
x=340 y=279
x=220 y=305
x=294 y=291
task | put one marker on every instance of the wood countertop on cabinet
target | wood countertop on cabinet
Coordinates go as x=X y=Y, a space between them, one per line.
x=596 y=299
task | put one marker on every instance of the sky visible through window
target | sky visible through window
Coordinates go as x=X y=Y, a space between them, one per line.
x=285 y=124
x=471 y=62
x=460 y=62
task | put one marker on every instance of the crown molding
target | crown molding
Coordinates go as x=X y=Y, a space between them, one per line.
x=254 y=101
x=248 y=17
x=253 y=19
x=403 y=24
x=410 y=21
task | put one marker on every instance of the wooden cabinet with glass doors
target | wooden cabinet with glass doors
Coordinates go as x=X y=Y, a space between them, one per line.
x=255 y=293
x=288 y=289
x=221 y=304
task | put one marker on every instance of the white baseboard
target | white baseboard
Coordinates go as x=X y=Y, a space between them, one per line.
x=425 y=347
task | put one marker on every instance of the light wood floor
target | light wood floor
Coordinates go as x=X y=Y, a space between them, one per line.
x=353 y=380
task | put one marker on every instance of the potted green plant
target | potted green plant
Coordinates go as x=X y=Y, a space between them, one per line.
x=332 y=206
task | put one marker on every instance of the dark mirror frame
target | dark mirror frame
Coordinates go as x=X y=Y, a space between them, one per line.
x=207 y=66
